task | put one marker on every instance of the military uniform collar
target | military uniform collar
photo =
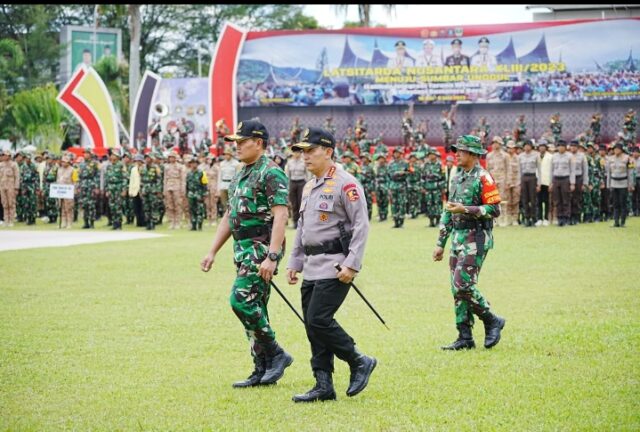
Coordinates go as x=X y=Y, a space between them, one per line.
x=331 y=172
x=256 y=165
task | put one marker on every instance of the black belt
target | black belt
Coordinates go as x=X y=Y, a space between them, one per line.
x=561 y=177
x=474 y=224
x=329 y=247
x=301 y=180
x=620 y=178
x=251 y=232
x=529 y=174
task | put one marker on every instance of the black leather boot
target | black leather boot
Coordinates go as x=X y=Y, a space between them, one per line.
x=258 y=372
x=464 y=341
x=199 y=226
x=493 y=325
x=322 y=391
x=193 y=226
x=361 y=368
x=86 y=224
x=277 y=361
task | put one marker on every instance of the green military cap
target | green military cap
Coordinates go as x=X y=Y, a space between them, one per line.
x=379 y=156
x=365 y=155
x=349 y=155
x=469 y=143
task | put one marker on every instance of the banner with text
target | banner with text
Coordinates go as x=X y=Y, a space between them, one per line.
x=531 y=62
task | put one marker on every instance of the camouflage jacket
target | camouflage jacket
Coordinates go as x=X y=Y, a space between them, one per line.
x=116 y=178
x=398 y=170
x=415 y=174
x=151 y=179
x=353 y=169
x=197 y=184
x=382 y=177
x=477 y=191
x=51 y=174
x=367 y=178
x=252 y=193
x=89 y=174
x=433 y=175
x=29 y=178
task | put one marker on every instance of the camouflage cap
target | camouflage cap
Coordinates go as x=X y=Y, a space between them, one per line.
x=469 y=143
x=349 y=155
x=379 y=156
x=365 y=155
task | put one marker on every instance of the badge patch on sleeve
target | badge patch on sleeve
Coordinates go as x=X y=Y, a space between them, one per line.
x=353 y=195
x=490 y=194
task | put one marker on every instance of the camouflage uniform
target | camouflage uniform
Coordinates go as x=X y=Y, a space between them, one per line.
x=196 y=190
x=556 y=130
x=382 y=188
x=471 y=238
x=151 y=191
x=434 y=179
x=29 y=186
x=116 y=182
x=398 y=170
x=368 y=181
x=127 y=201
x=589 y=210
x=414 y=188
x=252 y=193
x=89 y=174
x=51 y=204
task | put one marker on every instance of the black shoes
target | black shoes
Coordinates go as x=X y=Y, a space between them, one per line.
x=86 y=224
x=464 y=341
x=322 y=391
x=257 y=374
x=361 y=369
x=277 y=361
x=493 y=325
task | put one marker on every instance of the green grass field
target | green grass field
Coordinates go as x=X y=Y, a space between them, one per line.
x=133 y=336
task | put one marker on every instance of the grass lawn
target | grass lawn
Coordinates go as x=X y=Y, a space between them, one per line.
x=133 y=336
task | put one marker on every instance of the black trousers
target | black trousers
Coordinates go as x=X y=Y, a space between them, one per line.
x=528 y=195
x=562 y=196
x=137 y=209
x=636 y=198
x=295 y=197
x=605 y=202
x=543 y=198
x=321 y=299
x=576 y=198
x=620 y=197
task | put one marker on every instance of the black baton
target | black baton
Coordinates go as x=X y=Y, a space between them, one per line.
x=287 y=301
x=337 y=266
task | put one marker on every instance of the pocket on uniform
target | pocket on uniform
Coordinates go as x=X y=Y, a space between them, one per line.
x=324 y=205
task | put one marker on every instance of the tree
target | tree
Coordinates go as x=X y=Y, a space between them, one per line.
x=364 y=13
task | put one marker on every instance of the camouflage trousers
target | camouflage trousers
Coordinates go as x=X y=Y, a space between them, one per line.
x=50 y=205
x=368 y=195
x=434 y=203
x=151 y=207
x=29 y=205
x=196 y=209
x=88 y=204
x=398 y=202
x=468 y=300
x=127 y=209
x=20 y=207
x=382 y=200
x=249 y=300
x=413 y=201
x=115 y=205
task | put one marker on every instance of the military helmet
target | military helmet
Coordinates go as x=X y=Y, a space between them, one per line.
x=469 y=143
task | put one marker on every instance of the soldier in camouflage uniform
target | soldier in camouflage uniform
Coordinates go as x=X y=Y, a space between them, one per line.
x=382 y=186
x=151 y=191
x=328 y=125
x=256 y=217
x=368 y=180
x=595 y=126
x=588 y=205
x=19 y=214
x=89 y=184
x=414 y=186
x=29 y=187
x=50 y=175
x=350 y=166
x=196 y=190
x=398 y=170
x=556 y=127
x=127 y=202
x=629 y=126
x=116 y=185
x=434 y=184
x=468 y=220
x=520 y=131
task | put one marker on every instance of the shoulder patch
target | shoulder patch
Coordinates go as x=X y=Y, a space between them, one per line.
x=353 y=195
x=349 y=186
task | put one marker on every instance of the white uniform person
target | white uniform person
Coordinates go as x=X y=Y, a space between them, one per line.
x=332 y=228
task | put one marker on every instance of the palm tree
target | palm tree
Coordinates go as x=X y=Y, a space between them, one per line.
x=364 y=12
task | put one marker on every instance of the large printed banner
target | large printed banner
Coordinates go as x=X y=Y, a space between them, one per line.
x=532 y=62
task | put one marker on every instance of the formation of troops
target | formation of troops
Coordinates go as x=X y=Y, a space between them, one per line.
x=542 y=182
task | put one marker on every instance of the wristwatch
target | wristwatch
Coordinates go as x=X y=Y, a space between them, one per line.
x=273 y=256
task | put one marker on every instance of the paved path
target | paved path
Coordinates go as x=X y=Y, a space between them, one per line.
x=14 y=239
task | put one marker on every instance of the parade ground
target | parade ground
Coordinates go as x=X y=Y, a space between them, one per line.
x=131 y=335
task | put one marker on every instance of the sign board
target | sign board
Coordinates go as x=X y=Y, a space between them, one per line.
x=62 y=191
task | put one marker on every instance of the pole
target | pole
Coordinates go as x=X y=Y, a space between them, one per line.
x=337 y=267
x=287 y=302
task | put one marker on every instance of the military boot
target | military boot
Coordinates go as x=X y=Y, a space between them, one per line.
x=277 y=361
x=362 y=367
x=493 y=325
x=200 y=226
x=258 y=372
x=91 y=224
x=322 y=391
x=86 y=224
x=193 y=226
x=464 y=341
x=149 y=226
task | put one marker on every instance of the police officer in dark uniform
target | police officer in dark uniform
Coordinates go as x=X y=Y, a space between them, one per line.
x=457 y=58
x=332 y=228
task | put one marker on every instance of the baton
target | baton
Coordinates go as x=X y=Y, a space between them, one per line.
x=337 y=266
x=287 y=301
